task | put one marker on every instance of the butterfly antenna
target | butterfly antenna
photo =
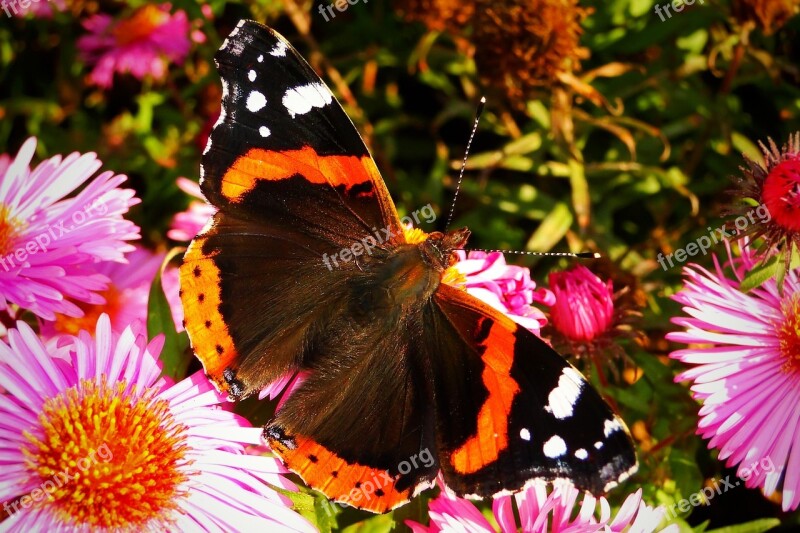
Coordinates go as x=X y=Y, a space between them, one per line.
x=478 y=113
x=580 y=255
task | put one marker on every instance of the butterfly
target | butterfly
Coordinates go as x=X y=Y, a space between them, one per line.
x=405 y=374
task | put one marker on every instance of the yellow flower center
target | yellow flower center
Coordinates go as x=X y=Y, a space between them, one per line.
x=453 y=277
x=108 y=457
x=789 y=334
x=70 y=325
x=414 y=235
x=140 y=25
x=9 y=228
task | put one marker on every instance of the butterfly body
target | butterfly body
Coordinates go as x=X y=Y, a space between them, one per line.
x=307 y=268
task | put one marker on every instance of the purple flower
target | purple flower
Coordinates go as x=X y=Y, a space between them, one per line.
x=540 y=512
x=507 y=288
x=127 y=295
x=144 y=44
x=187 y=224
x=744 y=353
x=95 y=440
x=51 y=238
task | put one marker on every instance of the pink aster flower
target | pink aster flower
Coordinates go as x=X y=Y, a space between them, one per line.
x=507 y=288
x=127 y=295
x=744 y=355
x=51 y=242
x=143 y=44
x=187 y=224
x=95 y=440
x=589 y=317
x=584 y=307
x=540 y=512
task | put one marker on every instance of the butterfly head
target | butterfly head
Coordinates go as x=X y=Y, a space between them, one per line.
x=439 y=248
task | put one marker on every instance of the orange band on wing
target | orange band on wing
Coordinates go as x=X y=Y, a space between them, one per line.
x=356 y=485
x=491 y=437
x=200 y=295
x=258 y=164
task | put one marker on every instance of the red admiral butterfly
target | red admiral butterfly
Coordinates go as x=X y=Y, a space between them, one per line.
x=400 y=364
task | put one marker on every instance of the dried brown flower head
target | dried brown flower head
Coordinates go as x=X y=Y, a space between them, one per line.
x=769 y=15
x=438 y=15
x=519 y=45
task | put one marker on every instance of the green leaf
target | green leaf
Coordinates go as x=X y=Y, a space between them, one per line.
x=756 y=526
x=759 y=275
x=552 y=229
x=174 y=356
x=308 y=506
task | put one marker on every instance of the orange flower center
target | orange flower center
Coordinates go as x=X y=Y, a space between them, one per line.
x=9 y=228
x=140 y=26
x=789 y=334
x=107 y=457
x=781 y=194
x=70 y=325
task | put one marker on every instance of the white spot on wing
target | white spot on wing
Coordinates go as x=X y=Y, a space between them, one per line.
x=303 y=99
x=563 y=398
x=256 y=101
x=279 y=50
x=598 y=445
x=251 y=75
x=524 y=434
x=554 y=447
x=260 y=58
x=611 y=426
x=264 y=131
x=581 y=454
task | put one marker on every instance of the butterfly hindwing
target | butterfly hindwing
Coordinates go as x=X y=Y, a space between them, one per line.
x=363 y=410
x=511 y=410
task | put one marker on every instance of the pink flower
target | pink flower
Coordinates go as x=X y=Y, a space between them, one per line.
x=584 y=307
x=127 y=295
x=50 y=245
x=95 y=440
x=186 y=225
x=144 y=44
x=507 y=288
x=744 y=353
x=542 y=513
